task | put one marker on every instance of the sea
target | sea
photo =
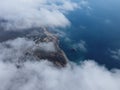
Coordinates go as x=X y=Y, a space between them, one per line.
x=98 y=25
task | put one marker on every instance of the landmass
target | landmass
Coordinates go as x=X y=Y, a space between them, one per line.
x=47 y=47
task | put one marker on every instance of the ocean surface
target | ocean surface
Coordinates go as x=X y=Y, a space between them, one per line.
x=99 y=27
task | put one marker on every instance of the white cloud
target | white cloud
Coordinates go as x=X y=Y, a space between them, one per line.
x=85 y=4
x=115 y=54
x=35 y=13
x=14 y=50
x=43 y=75
x=47 y=46
x=80 y=46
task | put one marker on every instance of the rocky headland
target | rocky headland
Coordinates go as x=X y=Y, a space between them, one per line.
x=47 y=47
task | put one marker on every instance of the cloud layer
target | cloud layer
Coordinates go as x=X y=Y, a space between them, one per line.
x=35 y=13
x=34 y=75
x=43 y=75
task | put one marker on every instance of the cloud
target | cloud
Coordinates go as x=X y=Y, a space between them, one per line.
x=80 y=46
x=43 y=76
x=47 y=46
x=14 y=50
x=115 y=54
x=20 y=14
x=82 y=27
x=34 y=75
x=84 y=3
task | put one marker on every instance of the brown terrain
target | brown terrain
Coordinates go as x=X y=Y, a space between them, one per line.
x=56 y=56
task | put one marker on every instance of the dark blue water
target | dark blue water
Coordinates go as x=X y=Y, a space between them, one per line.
x=99 y=27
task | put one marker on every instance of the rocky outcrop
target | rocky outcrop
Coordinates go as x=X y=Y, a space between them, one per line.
x=47 y=47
